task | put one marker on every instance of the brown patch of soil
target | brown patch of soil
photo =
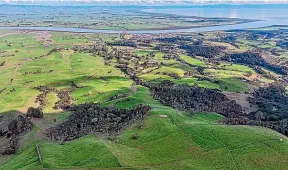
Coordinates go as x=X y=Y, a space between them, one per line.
x=242 y=100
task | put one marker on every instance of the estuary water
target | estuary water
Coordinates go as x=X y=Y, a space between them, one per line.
x=272 y=14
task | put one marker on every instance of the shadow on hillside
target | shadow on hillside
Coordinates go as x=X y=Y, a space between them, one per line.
x=14 y=127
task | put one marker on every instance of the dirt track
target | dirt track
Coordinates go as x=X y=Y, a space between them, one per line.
x=4 y=35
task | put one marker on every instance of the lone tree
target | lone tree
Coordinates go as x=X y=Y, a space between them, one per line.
x=133 y=88
x=2 y=64
x=134 y=136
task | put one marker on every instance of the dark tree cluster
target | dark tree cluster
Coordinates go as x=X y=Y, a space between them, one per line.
x=170 y=56
x=98 y=49
x=54 y=50
x=229 y=39
x=282 y=44
x=38 y=72
x=123 y=59
x=259 y=70
x=16 y=127
x=64 y=96
x=49 y=53
x=196 y=99
x=200 y=70
x=205 y=79
x=254 y=59
x=91 y=118
x=170 y=74
x=272 y=102
x=127 y=43
x=65 y=100
x=133 y=64
x=41 y=98
x=27 y=82
x=35 y=112
x=143 y=44
x=175 y=40
x=164 y=47
x=19 y=125
x=190 y=73
x=255 y=34
x=198 y=42
x=202 y=50
x=275 y=51
x=12 y=146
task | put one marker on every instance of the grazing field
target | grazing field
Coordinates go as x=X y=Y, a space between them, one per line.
x=29 y=68
x=88 y=69
x=169 y=139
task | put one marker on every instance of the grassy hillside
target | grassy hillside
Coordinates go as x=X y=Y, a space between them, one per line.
x=168 y=139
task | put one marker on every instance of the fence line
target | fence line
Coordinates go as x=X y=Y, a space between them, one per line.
x=39 y=156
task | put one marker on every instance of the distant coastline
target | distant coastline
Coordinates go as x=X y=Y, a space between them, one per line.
x=225 y=23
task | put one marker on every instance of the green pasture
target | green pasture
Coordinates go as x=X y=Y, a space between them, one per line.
x=169 y=139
